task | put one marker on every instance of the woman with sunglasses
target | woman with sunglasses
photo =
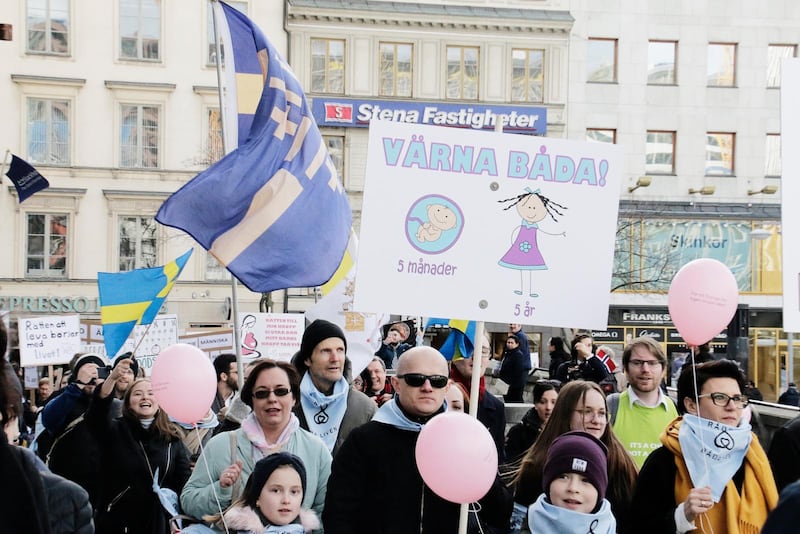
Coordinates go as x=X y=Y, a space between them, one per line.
x=272 y=389
x=711 y=473
x=581 y=405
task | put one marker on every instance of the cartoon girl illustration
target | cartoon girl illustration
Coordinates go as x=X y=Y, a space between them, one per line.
x=524 y=254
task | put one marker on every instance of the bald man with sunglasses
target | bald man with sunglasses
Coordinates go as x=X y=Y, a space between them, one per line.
x=375 y=485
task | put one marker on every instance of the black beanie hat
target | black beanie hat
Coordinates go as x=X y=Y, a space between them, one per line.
x=316 y=332
x=264 y=468
x=577 y=452
x=83 y=360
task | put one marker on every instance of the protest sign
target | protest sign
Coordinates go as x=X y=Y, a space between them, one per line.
x=487 y=226
x=271 y=335
x=212 y=342
x=49 y=340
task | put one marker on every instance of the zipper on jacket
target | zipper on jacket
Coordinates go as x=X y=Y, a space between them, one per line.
x=117 y=498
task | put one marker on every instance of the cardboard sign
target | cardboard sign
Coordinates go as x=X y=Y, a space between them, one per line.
x=52 y=339
x=213 y=342
x=271 y=335
x=487 y=226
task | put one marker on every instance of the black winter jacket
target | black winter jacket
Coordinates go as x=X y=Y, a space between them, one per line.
x=375 y=486
x=130 y=456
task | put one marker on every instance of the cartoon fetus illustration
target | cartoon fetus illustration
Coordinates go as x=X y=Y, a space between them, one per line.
x=440 y=218
x=524 y=254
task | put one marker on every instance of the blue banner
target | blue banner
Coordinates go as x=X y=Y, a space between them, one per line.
x=351 y=112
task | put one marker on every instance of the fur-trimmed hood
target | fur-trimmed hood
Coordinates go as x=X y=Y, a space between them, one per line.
x=245 y=518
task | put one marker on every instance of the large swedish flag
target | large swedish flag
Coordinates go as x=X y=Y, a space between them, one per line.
x=273 y=211
x=134 y=297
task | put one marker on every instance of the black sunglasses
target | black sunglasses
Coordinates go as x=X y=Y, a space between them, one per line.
x=265 y=393
x=415 y=380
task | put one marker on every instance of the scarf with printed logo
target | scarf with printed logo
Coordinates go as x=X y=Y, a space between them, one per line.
x=737 y=512
x=324 y=413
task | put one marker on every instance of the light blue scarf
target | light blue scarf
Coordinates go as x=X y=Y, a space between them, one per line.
x=545 y=518
x=713 y=451
x=391 y=414
x=324 y=413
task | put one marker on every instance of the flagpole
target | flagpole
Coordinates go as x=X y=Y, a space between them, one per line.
x=474 y=399
x=237 y=345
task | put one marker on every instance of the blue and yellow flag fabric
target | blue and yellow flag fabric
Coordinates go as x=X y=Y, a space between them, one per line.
x=25 y=178
x=460 y=343
x=134 y=297
x=273 y=211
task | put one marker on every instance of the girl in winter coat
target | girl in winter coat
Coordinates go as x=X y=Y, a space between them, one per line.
x=272 y=499
x=143 y=460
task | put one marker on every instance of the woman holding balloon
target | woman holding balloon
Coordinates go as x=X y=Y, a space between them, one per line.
x=271 y=390
x=143 y=460
x=711 y=473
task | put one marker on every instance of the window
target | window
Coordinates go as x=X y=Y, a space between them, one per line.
x=462 y=72
x=327 y=66
x=721 y=69
x=48 y=27
x=214 y=269
x=139 y=136
x=48 y=131
x=719 y=153
x=527 y=75
x=775 y=55
x=602 y=60
x=137 y=243
x=661 y=60
x=335 y=145
x=140 y=29
x=396 y=69
x=212 y=41
x=660 y=153
x=597 y=135
x=772 y=158
x=46 y=246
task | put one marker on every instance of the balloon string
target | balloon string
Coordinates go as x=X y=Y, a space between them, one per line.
x=697 y=403
x=208 y=472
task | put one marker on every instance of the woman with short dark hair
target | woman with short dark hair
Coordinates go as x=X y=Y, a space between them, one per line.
x=711 y=472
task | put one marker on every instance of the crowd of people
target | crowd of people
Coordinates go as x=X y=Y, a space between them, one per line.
x=304 y=446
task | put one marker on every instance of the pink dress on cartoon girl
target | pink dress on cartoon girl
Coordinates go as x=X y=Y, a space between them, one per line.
x=524 y=253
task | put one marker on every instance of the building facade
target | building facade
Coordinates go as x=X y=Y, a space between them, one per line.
x=118 y=116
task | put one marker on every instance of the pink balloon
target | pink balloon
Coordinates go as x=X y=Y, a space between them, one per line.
x=184 y=382
x=456 y=457
x=703 y=297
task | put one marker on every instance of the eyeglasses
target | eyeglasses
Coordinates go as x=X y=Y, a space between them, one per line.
x=589 y=415
x=262 y=394
x=415 y=380
x=643 y=363
x=722 y=399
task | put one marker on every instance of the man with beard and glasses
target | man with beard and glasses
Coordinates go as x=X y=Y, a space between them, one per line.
x=640 y=413
x=227 y=384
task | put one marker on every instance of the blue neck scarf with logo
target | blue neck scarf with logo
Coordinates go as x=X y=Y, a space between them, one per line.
x=713 y=451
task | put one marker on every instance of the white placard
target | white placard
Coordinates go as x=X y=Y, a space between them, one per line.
x=162 y=333
x=271 y=335
x=790 y=189
x=31 y=377
x=49 y=340
x=487 y=226
x=210 y=341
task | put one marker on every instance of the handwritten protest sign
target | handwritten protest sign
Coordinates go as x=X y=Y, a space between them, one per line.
x=271 y=335
x=487 y=226
x=49 y=340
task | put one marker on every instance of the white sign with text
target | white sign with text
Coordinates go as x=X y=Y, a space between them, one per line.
x=488 y=226
x=49 y=340
x=271 y=335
